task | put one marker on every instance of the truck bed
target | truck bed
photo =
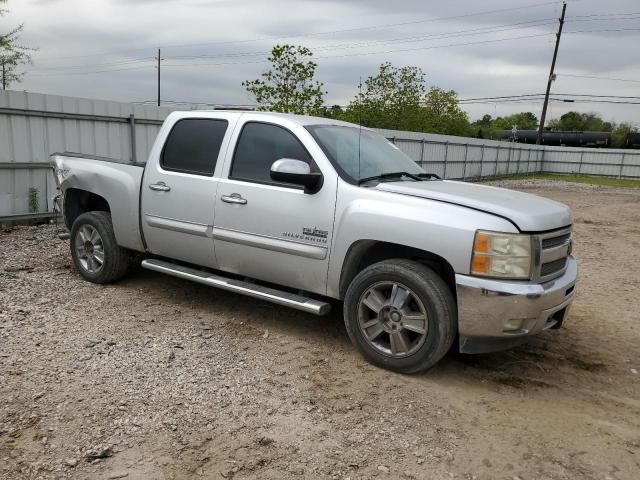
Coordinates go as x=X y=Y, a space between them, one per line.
x=113 y=180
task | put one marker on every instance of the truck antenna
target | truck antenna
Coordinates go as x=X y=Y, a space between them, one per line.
x=359 y=122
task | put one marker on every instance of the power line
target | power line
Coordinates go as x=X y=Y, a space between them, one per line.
x=96 y=65
x=483 y=42
x=371 y=53
x=525 y=96
x=350 y=45
x=605 y=15
x=436 y=36
x=606 y=30
x=91 y=72
x=600 y=101
x=598 y=78
x=331 y=32
x=500 y=97
x=497 y=29
x=551 y=98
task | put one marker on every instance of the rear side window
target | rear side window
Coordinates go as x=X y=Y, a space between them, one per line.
x=193 y=146
x=261 y=144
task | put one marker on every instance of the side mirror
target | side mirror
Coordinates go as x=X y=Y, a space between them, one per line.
x=297 y=172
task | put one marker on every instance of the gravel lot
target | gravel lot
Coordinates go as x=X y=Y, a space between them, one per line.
x=158 y=378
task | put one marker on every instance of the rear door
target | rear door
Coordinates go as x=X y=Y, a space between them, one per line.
x=268 y=230
x=179 y=188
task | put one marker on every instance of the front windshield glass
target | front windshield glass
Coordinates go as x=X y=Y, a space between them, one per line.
x=377 y=155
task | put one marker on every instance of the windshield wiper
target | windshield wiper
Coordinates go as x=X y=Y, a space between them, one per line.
x=418 y=177
x=429 y=175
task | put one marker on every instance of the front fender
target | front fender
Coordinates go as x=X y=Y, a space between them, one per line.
x=440 y=228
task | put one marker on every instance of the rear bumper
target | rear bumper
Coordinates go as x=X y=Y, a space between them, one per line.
x=495 y=315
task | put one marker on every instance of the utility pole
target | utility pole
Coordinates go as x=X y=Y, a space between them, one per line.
x=553 y=66
x=4 y=76
x=158 y=77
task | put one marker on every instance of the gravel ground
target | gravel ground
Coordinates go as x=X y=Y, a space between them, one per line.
x=158 y=378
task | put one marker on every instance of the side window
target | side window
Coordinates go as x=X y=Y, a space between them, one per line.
x=193 y=146
x=260 y=145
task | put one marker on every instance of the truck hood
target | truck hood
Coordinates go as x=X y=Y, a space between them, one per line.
x=530 y=213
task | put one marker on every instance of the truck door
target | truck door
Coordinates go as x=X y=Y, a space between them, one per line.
x=179 y=187
x=268 y=230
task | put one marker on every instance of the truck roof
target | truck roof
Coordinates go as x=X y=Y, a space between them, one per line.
x=300 y=119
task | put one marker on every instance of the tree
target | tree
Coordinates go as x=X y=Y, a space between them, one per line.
x=12 y=54
x=389 y=99
x=620 y=134
x=289 y=86
x=482 y=126
x=334 y=111
x=442 y=113
x=580 y=122
x=522 y=121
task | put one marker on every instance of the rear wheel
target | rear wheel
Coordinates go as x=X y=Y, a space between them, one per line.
x=94 y=249
x=400 y=315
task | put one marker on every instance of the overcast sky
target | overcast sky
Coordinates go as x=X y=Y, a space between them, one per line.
x=105 y=48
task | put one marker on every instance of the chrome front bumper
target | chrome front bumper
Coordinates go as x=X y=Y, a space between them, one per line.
x=494 y=314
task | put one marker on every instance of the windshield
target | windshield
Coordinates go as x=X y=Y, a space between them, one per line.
x=377 y=155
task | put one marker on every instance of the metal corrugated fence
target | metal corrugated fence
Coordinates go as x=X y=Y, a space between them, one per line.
x=32 y=126
x=472 y=158
x=467 y=158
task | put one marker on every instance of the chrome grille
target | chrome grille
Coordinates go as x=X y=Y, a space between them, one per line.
x=552 y=250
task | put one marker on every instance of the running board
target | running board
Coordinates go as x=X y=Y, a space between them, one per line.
x=280 y=297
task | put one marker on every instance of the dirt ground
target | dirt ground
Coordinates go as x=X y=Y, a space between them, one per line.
x=158 y=378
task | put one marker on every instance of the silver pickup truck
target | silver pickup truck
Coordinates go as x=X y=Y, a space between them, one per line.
x=306 y=212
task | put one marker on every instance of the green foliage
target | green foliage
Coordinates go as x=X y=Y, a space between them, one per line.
x=580 y=122
x=488 y=127
x=442 y=114
x=620 y=134
x=397 y=98
x=592 y=122
x=389 y=99
x=34 y=200
x=12 y=54
x=334 y=111
x=522 y=121
x=289 y=86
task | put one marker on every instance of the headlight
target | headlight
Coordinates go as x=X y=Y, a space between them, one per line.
x=501 y=255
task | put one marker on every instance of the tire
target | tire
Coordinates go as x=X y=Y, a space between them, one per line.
x=95 y=252
x=400 y=331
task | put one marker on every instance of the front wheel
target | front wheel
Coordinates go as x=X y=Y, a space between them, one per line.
x=94 y=248
x=401 y=315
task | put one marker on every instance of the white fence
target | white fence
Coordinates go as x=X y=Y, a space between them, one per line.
x=32 y=126
x=472 y=158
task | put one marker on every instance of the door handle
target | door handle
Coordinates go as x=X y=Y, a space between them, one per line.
x=234 y=198
x=160 y=187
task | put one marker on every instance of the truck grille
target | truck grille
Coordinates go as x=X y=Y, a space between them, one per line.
x=553 y=248
x=550 y=268
x=555 y=241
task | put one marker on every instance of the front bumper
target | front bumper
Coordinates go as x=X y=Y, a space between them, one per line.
x=495 y=315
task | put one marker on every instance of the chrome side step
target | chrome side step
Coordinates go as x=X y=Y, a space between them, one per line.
x=280 y=297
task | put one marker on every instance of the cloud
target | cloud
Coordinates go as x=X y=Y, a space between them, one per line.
x=79 y=38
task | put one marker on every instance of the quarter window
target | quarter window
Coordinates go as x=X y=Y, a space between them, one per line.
x=260 y=145
x=193 y=146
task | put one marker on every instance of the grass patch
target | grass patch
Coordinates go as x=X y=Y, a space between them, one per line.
x=605 y=181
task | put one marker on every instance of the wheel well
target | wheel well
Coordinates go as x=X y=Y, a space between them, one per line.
x=367 y=252
x=77 y=202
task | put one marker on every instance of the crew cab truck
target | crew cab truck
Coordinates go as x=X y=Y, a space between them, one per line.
x=301 y=211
